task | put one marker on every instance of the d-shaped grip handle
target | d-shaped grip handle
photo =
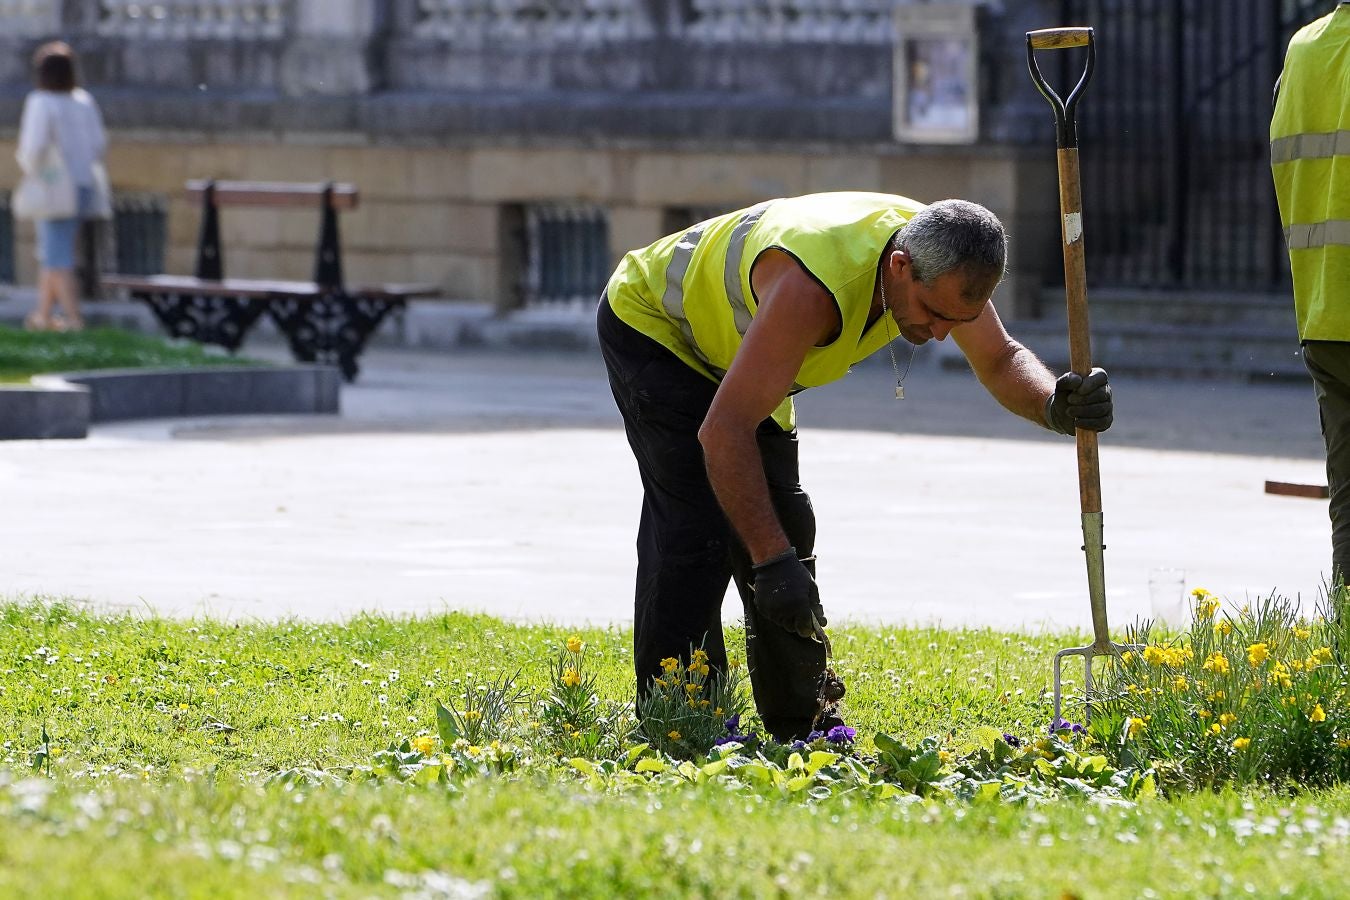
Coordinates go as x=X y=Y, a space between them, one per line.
x=1066 y=129
x=1059 y=38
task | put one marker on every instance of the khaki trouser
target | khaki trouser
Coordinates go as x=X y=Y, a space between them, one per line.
x=1329 y=364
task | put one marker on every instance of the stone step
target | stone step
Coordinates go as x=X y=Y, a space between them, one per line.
x=1242 y=352
x=1126 y=306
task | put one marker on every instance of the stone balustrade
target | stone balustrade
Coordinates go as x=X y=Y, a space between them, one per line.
x=778 y=21
x=28 y=18
x=200 y=19
x=539 y=21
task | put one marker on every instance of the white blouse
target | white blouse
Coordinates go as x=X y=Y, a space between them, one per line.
x=70 y=119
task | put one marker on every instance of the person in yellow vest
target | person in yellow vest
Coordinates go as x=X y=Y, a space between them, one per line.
x=707 y=333
x=1310 y=161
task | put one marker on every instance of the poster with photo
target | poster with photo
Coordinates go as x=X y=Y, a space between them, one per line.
x=935 y=85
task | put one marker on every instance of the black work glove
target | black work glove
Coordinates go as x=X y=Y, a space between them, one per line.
x=1079 y=402
x=786 y=592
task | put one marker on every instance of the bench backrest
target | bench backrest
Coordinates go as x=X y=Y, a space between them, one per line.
x=276 y=193
x=328 y=196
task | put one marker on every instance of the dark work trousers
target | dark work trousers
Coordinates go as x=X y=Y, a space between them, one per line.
x=687 y=551
x=1329 y=364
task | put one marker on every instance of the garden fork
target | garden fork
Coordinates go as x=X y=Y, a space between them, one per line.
x=1080 y=349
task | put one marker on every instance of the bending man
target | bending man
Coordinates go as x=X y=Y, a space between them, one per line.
x=708 y=333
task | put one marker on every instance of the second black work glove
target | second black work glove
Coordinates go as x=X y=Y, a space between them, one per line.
x=786 y=593
x=1080 y=402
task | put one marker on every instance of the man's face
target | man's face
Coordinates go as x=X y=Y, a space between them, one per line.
x=933 y=310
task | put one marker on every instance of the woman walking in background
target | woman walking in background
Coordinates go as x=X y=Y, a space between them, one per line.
x=61 y=149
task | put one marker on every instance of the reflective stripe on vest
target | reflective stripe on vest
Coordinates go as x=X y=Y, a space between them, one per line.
x=1318 y=234
x=731 y=274
x=673 y=299
x=1309 y=146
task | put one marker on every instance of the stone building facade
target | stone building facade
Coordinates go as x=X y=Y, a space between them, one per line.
x=495 y=142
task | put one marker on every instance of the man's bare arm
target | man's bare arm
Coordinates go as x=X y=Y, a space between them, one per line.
x=794 y=314
x=1009 y=371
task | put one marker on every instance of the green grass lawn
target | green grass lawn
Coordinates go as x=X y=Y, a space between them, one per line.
x=24 y=354
x=163 y=736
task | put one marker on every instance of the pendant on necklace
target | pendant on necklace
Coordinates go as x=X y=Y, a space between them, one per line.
x=899 y=392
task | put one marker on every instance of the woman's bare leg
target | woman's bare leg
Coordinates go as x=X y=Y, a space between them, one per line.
x=68 y=295
x=40 y=319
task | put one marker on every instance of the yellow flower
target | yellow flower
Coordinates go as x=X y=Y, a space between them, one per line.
x=472 y=715
x=718 y=711
x=1177 y=656
x=1298 y=665
x=1241 y=743
x=700 y=656
x=1257 y=653
x=670 y=664
x=674 y=735
x=1204 y=714
x=1206 y=605
x=1217 y=663
x=571 y=677
x=1127 y=656
x=574 y=644
x=1215 y=729
x=1322 y=654
x=1217 y=695
x=704 y=704
x=1132 y=688
x=1154 y=656
x=691 y=704
x=944 y=757
x=734 y=662
x=1138 y=725
x=210 y=692
x=1291 y=700
x=1224 y=627
x=693 y=688
x=424 y=744
x=1318 y=714
x=1227 y=719
x=698 y=668
x=660 y=682
x=1281 y=674
x=1302 y=633
x=1179 y=683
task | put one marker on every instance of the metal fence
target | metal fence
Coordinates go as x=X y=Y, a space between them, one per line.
x=6 y=240
x=567 y=259
x=138 y=234
x=1174 y=130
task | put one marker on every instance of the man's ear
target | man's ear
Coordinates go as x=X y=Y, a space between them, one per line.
x=898 y=260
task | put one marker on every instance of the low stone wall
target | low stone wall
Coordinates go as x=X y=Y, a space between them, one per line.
x=63 y=405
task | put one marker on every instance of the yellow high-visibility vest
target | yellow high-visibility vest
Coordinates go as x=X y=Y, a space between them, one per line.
x=691 y=291
x=1310 y=159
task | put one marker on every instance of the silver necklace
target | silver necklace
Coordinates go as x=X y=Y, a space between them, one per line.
x=914 y=348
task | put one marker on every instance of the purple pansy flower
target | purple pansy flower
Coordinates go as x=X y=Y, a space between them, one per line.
x=814 y=736
x=1012 y=740
x=734 y=724
x=1066 y=725
x=797 y=745
x=841 y=734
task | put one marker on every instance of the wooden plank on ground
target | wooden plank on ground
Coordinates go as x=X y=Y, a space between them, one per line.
x=1290 y=489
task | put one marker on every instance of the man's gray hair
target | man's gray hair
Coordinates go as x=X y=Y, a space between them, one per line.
x=955 y=236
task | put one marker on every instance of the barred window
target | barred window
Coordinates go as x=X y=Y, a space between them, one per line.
x=567 y=260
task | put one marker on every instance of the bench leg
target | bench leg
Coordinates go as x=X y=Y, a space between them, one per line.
x=208 y=319
x=332 y=328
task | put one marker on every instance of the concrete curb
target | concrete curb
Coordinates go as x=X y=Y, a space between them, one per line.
x=63 y=405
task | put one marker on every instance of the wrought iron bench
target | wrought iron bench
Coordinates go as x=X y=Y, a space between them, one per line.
x=324 y=320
